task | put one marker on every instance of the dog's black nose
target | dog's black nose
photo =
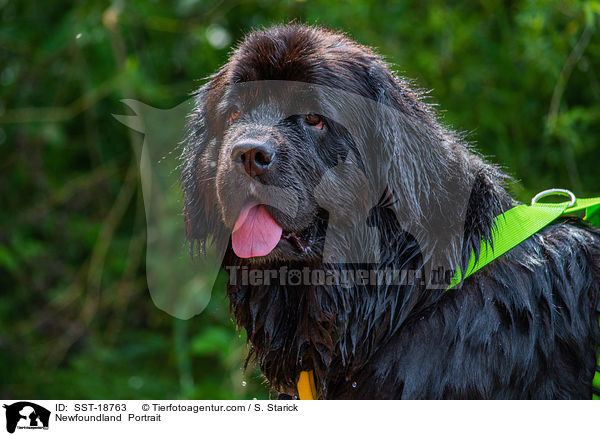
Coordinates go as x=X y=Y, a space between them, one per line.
x=253 y=158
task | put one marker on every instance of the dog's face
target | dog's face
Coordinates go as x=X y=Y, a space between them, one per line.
x=274 y=150
x=291 y=104
x=264 y=133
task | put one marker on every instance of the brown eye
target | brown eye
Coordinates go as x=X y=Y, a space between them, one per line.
x=234 y=114
x=314 y=120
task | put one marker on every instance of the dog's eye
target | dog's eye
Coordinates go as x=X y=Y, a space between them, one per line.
x=314 y=120
x=234 y=114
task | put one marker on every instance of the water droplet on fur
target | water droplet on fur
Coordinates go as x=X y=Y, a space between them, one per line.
x=354 y=385
x=244 y=383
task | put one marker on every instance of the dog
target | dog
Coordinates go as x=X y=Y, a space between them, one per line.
x=306 y=153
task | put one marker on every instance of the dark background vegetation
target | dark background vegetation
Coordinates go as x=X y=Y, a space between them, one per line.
x=521 y=78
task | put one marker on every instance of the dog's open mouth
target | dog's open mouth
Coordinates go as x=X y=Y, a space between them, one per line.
x=257 y=234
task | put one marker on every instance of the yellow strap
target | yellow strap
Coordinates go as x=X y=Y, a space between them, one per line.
x=306 y=386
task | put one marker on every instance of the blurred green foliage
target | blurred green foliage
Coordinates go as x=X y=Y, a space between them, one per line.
x=76 y=319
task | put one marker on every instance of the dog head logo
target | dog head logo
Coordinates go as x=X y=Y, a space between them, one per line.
x=329 y=207
x=26 y=415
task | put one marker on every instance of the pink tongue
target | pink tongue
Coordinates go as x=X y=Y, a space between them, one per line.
x=255 y=233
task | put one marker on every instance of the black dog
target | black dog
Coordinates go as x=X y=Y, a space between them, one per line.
x=318 y=159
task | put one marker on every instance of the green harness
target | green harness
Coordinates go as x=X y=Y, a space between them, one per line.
x=522 y=221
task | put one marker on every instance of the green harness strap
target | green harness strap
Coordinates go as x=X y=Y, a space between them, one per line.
x=522 y=221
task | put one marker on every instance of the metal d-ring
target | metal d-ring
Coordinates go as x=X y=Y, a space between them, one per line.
x=555 y=191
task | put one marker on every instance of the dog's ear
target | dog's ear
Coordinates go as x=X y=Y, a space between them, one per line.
x=198 y=173
x=424 y=165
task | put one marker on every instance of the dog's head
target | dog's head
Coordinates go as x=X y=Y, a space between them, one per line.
x=302 y=123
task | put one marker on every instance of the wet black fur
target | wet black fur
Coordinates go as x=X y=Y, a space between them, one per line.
x=525 y=326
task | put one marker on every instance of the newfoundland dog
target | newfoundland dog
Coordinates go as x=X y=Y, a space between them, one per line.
x=342 y=207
